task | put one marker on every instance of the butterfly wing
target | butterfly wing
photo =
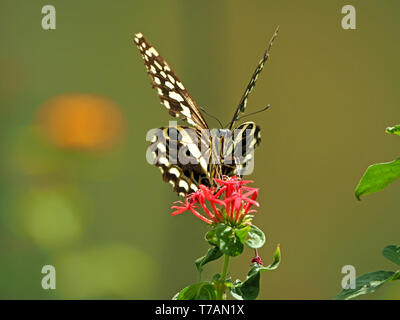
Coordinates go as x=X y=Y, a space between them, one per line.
x=246 y=138
x=173 y=95
x=243 y=101
x=180 y=154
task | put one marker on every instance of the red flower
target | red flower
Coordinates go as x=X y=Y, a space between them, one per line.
x=229 y=203
x=189 y=205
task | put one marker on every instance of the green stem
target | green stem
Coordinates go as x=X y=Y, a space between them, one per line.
x=225 y=268
x=221 y=287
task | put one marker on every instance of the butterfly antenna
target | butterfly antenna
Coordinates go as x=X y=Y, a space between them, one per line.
x=255 y=112
x=204 y=110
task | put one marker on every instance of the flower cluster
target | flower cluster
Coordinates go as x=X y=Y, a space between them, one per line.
x=229 y=203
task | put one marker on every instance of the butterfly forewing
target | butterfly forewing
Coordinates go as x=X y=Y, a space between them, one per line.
x=172 y=93
x=243 y=101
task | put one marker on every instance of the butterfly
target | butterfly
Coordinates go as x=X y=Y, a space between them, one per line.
x=188 y=164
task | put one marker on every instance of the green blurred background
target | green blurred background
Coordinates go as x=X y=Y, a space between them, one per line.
x=76 y=103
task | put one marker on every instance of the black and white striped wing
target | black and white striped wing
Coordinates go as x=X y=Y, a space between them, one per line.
x=171 y=91
x=240 y=149
x=243 y=101
x=177 y=152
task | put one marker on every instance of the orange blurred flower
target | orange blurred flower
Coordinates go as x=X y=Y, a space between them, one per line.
x=81 y=121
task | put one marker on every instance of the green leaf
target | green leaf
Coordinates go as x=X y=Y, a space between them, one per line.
x=256 y=238
x=396 y=275
x=277 y=259
x=393 y=130
x=367 y=283
x=212 y=254
x=227 y=240
x=249 y=289
x=377 y=177
x=200 y=291
x=392 y=253
x=211 y=237
x=175 y=297
x=242 y=233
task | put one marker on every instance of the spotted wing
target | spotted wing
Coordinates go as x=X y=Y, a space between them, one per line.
x=180 y=154
x=239 y=151
x=243 y=101
x=171 y=91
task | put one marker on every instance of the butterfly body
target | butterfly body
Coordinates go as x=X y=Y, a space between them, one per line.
x=188 y=156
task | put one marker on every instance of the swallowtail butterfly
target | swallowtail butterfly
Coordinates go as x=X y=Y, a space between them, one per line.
x=191 y=141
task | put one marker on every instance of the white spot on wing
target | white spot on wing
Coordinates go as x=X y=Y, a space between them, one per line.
x=175 y=172
x=171 y=78
x=157 y=65
x=190 y=121
x=194 y=150
x=184 y=185
x=164 y=161
x=161 y=147
x=175 y=96
x=169 y=84
x=166 y=104
x=180 y=85
x=185 y=111
x=153 y=51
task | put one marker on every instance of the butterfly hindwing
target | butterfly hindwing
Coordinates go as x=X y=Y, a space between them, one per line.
x=240 y=149
x=177 y=151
